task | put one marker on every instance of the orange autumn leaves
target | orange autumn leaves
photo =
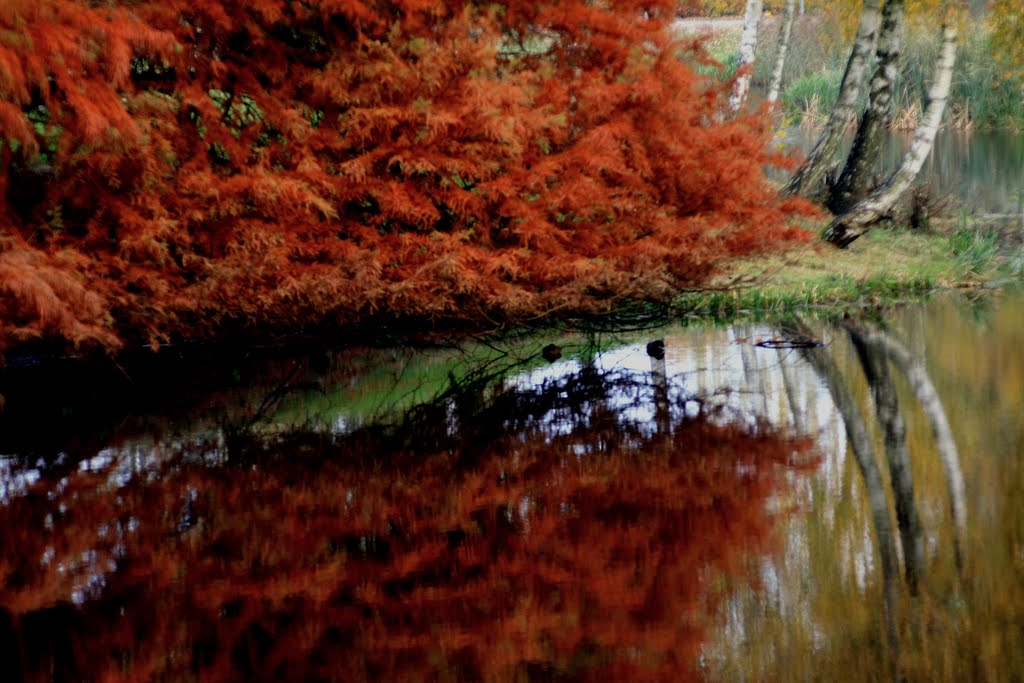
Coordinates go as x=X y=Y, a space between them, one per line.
x=196 y=170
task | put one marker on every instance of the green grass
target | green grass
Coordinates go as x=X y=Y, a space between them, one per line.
x=883 y=267
x=812 y=95
x=981 y=92
x=723 y=47
x=835 y=293
x=975 y=248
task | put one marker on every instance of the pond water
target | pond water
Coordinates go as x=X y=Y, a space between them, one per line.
x=704 y=508
x=982 y=170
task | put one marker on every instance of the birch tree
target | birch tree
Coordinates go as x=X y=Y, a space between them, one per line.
x=780 y=56
x=809 y=181
x=854 y=182
x=847 y=227
x=748 y=45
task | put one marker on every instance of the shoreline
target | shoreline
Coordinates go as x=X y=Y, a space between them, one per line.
x=886 y=267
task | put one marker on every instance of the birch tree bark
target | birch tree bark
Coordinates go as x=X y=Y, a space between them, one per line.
x=780 y=55
x=854 y=182
x=809 y=181
x=860 y=218
x=748 y=44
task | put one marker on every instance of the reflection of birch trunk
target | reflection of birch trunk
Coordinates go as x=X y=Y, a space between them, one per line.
x=790 y=384
x=924 y=390
x=864 y=454
x=887 y=408
x=659 y=382
x=754 y=377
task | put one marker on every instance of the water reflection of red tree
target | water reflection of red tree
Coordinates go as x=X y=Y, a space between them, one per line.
x=602 y=554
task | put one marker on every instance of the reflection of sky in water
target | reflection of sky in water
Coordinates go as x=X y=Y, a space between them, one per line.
x=727 y=371
x=722 y=368
x=14 y=481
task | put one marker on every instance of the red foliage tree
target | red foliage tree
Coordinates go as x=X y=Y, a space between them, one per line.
x=178 y=169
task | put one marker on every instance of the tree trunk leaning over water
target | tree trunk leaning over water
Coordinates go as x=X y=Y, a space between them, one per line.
x=785 y=31
x=846 y=228
x=748 y=44
x=809 y=181
x=854 y=183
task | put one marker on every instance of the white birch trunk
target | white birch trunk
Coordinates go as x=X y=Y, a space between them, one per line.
x=809 y=181
x=780 y=56
x=748 y=44
x=854 y=183
x=865 y=214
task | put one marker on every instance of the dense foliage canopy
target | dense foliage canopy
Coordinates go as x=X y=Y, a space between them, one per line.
x=174 y=169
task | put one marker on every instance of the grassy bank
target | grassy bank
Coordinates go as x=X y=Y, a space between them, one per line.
x=883 y=267
x=285 y=381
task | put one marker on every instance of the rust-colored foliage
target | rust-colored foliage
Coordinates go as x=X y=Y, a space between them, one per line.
x=193 y=168
x=597 y=549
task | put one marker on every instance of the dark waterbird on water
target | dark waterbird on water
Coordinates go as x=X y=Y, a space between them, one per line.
x=551 y=352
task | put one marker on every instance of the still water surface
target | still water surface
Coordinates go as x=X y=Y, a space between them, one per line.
x=982 y=171
x=722 y=511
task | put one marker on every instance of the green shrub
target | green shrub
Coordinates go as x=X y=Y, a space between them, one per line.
x=974 y=247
